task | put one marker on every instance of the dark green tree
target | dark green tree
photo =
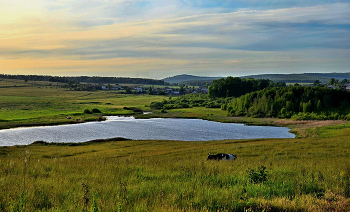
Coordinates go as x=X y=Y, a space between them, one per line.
x=316 y=82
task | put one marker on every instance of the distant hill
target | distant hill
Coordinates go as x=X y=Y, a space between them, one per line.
x=301 y=78
x=287 y=78
x=185 y=78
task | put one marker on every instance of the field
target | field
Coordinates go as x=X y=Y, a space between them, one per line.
x=23 y=104
x=309 y=173
x=305 y=174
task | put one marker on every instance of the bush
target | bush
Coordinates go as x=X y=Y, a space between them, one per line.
x=156 y=105
x=87 y=111
x=161 y=93
x=168 y=106
x=134 y=109
x=95 y=110
x=257 y=176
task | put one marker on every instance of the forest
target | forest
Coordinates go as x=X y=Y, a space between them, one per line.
x=85 y=79
x=235 y=86
x=263 y=98
x=296 y=102
x=187 y=101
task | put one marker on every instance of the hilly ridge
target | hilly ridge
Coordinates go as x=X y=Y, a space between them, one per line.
x=186 y=78
x=301 y=78
x=288 y=78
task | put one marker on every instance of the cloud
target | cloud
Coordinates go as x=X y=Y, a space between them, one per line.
x=154 y=36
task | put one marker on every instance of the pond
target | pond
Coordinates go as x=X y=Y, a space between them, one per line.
x=141 y=129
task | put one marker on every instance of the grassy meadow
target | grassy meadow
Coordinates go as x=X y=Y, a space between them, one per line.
x=309 y=173
x=38 y=103
x=44 y=103
x=305 y=174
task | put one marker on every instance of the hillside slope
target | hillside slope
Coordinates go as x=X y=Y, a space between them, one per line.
x=288 y=78
x=185 y=78
x=301 y=78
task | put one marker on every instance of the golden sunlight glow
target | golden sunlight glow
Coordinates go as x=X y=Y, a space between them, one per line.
x=101 y=36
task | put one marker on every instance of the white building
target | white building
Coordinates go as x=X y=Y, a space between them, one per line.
x=139 y=90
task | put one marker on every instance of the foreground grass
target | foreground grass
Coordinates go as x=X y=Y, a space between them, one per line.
x=309 y=174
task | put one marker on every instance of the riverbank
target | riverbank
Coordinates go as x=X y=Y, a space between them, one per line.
x=57 y=122
x=142 y=129
x=302 y=129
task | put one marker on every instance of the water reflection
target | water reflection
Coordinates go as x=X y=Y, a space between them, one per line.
x=141 y=129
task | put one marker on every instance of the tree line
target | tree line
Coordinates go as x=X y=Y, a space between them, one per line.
x=188 y=101
x=297 y=102
x=235 y=86
x=85 y=79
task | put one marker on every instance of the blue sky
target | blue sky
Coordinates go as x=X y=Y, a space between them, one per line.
x=157 y=39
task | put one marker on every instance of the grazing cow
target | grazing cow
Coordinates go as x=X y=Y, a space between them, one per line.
x=222 y=156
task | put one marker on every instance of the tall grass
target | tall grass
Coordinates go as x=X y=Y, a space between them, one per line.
x=302 y=175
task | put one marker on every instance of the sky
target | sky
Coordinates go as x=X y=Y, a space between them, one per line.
x=160 y=38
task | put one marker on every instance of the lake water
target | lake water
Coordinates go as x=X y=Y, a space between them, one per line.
x=141 y=129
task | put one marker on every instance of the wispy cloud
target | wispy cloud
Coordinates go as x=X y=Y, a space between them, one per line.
x=158 y=39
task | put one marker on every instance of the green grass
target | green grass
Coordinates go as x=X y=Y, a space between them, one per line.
x=26 y=104
x=211 y=114
x=302 y=174
x=333 y=131
x=40 y=104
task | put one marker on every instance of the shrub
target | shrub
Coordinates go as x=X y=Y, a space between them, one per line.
x=134 y=109
x=87 y=111
x=156 y=105
x=161 y=93
x=257 y=176
x=95 y=110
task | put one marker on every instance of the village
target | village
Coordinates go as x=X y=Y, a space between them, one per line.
x=157 y=90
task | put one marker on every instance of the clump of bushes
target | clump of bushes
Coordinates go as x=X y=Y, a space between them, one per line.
x=188 y=101
x=95 y=110
x=87 y=111
x=133 y=109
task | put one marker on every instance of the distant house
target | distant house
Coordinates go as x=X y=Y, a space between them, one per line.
x=176 y=93
x=348 y=88
x=331 y=87
x=103 y=87
x=117 y=87
x=204 y=90
x=138 y=90
x=168 y=90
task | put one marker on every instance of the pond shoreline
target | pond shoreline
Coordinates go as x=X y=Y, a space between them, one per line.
x=148 y=115
x=141 y=129
x=301 y=129
x=14 y=125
